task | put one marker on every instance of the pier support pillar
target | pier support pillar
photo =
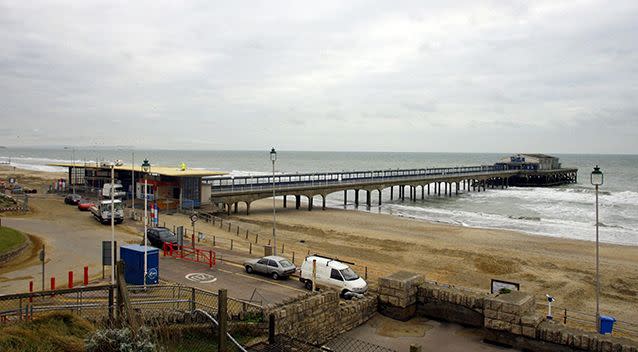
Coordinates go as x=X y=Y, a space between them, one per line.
x=391 y=192
x=323 y=202
x=285 y=200
x=402 y=192
x=228 y=209
x=457 y=188
x=428 y=189
x=356 y=197
x=445 y=189
x=310 y=199
x=380 y=192
x=345 y=197
x=247 y=208
x=235 y=208
x=297 y=201
x=368 y=198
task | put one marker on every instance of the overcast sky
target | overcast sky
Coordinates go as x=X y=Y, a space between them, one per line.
x=484 y=76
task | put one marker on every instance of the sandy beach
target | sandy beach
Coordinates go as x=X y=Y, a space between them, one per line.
x=450 y=254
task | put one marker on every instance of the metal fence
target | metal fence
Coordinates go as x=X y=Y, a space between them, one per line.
x=587 y=321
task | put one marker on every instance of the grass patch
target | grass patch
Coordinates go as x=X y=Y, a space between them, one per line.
x=51 y=332
x=10 y=239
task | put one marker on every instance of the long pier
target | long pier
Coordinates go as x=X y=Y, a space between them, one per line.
x=231 y=191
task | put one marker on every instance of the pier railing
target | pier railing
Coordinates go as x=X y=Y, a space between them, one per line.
x=283 y=181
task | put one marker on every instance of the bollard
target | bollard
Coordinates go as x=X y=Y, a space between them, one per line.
x=250 y=248
x=86 y=276
x=70 y=284
x=30 y=290
x=52 y=283
x=231 y=244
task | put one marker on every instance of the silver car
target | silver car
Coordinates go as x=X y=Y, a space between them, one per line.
x=273 y=266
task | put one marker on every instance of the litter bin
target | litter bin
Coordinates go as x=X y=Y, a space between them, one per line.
x=133 y=257
x=606 y=324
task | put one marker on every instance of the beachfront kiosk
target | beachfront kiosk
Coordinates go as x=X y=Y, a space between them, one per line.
x=169 y=188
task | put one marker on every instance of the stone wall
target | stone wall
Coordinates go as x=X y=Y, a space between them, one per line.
x=317 y=317
x=450 y=303
x=506 y=318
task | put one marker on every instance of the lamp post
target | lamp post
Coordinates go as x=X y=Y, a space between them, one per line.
x=597 y=180
x=112 y=224
x=146 y=167
x=73 y=168
x=273 y=158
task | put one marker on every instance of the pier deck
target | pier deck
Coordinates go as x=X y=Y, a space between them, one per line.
x=230 y=191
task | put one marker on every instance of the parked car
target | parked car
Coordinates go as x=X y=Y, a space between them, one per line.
x=157 y=236
x=332 y=273
x=72 y=199
x=85 y=204
x=273 y=266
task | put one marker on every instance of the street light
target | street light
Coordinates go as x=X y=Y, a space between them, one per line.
x=73 y=174
x=273 y=158
x=146 y=167
x=597 y=180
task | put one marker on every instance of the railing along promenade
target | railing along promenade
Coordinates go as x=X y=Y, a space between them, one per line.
x=231 y=190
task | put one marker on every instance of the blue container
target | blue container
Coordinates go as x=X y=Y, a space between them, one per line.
x=133 y=257
x=606 y=324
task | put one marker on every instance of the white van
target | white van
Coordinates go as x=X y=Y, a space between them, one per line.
x=332 y=273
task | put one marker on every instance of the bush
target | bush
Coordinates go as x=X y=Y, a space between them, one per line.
x=121 y=340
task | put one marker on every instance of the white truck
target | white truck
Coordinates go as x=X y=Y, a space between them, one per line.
x=102 y=211
x=117 y=188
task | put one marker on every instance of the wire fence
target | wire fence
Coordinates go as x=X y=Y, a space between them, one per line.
x=251 y=242
x=587 y=321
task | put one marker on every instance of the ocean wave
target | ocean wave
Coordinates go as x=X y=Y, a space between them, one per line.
x=563 y=195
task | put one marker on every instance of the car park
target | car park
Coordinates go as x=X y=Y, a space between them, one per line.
x=157 y=236
x=72 y=199
x=332 y=273
x=273 y=266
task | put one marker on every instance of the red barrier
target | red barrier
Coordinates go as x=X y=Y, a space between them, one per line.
x=197 y=255
x=86 y=276
x=52 y=283
x=30 y=290
x=70 y=279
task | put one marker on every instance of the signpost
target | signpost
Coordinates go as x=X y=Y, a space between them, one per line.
x=107 y=252
x=42 y=258
x=498 y=285
x=194 y=219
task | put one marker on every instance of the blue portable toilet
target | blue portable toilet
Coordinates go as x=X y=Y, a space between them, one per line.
x=133 y=257
x=606 y=324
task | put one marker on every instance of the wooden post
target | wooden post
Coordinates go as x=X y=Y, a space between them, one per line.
x=314 y=274
x=250 y=248
x=366 y=273
x=271 y=328
x=282 y=248
x=231 y=244
x=256 y=238
x=222 y=319
x=213 y=240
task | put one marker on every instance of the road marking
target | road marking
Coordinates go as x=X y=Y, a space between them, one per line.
x=201 y=278
x=270 y=282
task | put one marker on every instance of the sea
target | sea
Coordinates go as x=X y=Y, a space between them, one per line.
x=567 y=211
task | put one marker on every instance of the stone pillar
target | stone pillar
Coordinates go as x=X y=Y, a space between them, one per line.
x=398 y=295
x=507 y=312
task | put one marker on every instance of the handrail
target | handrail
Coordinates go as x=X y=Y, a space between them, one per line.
x=232 y=339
